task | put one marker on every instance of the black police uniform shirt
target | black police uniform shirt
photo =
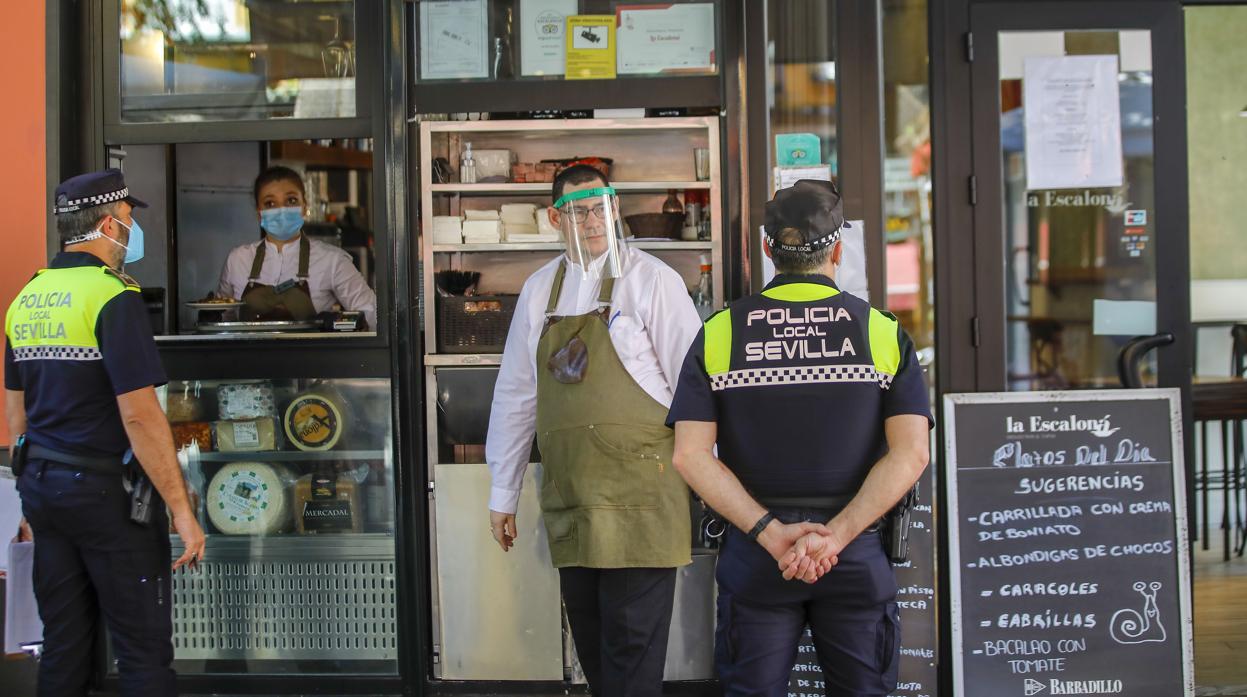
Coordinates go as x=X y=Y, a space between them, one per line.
x=800 y=381
x=71 y=405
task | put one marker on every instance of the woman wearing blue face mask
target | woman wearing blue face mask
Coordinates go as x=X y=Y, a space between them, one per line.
x=287 y=276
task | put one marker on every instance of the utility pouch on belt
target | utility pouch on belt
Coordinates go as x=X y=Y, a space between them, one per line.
x=896 y=528
x=21 y=451
x=139 y=487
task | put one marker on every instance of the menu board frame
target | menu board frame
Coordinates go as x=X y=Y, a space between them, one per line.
x=1181 y=548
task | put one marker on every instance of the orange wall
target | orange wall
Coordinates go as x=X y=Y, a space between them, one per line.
x=23 y=173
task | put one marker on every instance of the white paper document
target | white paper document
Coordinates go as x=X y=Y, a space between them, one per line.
x=660 y=38
x=785 y=177
x=454 y=41
x=542 y=23
x=1073 y=122
x=21 y=613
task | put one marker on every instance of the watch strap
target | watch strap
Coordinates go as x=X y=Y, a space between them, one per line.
x=761 y=525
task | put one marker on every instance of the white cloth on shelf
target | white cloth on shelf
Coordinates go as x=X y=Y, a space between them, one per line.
x=519 y=213
x=447 y=229
x=481 y=215
x=545 y=227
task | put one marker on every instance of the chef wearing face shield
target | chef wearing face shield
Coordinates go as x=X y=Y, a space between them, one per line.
x=590 y=366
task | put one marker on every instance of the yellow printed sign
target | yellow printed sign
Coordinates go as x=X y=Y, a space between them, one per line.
x=590 y=47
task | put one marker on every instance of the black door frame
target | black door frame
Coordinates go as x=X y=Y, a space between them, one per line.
x=970 y=263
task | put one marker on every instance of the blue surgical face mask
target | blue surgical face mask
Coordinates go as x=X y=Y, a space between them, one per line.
x=282 y=223
x=134 y=245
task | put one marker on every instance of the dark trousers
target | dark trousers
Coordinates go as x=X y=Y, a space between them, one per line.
x=91 y=560
x=620 y=619
x=851 y=612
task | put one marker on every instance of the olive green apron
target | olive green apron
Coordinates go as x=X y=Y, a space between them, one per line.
x=291 y=300
x=609 y=494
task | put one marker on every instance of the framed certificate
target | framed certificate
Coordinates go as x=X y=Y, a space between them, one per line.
x=454 y=39
x=542 y=23
x=666 y=38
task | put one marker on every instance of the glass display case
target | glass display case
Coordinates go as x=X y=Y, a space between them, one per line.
x=293 y=482
x=214 y=60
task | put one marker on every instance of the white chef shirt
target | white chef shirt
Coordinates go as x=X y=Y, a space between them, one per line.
x=332 y=276
x=654 y=323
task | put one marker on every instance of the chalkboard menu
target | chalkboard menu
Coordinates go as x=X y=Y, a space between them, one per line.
x=1068 y=550
x=915 y=596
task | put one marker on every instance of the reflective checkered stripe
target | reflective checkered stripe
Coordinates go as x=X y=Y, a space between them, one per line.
x=77 y=204
x=57 y=353
x=760 y=377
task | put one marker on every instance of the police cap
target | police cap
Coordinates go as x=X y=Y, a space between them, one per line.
x=811 y=207
x=93 y=189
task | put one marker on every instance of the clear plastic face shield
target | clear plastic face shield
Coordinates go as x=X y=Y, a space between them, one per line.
x=593 y=231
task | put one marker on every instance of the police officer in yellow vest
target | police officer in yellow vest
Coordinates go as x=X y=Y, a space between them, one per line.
x=590 y=364
x=821 y=415
x=80 y=371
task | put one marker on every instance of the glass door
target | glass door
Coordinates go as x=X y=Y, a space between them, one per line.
x=1079 y=196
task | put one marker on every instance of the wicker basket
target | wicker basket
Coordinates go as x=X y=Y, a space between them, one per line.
x=474 y=323
x=655 y=224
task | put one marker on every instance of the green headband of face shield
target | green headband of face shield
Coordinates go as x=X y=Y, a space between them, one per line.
x=584 y=193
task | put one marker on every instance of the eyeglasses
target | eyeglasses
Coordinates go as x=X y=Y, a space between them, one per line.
x=581 y=215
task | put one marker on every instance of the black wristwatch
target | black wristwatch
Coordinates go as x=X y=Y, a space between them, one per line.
x=761 y=525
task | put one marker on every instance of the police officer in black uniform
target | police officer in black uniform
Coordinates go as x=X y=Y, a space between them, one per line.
x=821 y=416
x=80 y=371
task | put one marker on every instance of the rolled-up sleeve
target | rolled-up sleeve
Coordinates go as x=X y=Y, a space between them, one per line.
x=351 y=290
x=513 y=414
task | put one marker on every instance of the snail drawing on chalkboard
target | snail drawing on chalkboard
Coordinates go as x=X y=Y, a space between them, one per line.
x=1128 y=626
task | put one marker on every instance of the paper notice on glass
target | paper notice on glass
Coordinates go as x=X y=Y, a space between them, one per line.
x=541 y=35
x=851 y=276
x=1073 y=122
x=590 y=47
x=454 y=41
x=787 y=176
x=663 y=38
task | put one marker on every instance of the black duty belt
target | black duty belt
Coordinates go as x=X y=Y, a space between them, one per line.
x=94 y=463
x=818 y=503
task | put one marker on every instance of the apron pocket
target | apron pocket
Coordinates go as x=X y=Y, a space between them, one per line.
x=603 y=467
x=560 y=526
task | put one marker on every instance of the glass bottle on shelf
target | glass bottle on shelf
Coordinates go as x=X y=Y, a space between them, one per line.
x=703 y=297
x=467 y=166
x=672 y=204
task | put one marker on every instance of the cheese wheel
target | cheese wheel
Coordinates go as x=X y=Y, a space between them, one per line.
x=248 y=400
x=248 y=498
x=314 y=421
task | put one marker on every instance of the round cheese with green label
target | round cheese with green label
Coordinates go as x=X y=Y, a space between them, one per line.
x=248 y=498
x=314 y=422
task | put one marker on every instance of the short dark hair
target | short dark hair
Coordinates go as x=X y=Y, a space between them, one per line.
x=277 y=174
x=79 y=223
x=576 y=174
x=799 y=263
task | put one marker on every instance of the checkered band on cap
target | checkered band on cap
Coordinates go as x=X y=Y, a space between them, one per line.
x=57 y=353
x=807 y=248
x=758 y=377
x=68 y=205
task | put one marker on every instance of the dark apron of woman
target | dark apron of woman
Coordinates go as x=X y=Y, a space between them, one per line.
x=288 y=300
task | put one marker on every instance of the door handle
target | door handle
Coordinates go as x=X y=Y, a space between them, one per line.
x=1131 y=356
